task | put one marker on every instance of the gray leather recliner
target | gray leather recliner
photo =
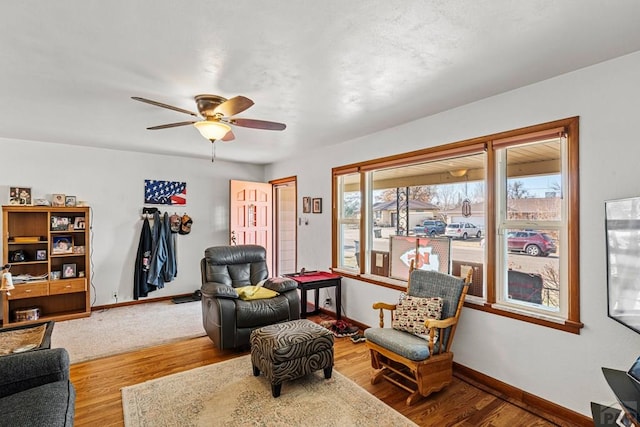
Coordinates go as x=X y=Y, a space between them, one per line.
x=229 y=320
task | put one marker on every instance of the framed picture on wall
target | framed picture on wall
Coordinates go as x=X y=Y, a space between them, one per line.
x=306 y=205
x=317 y=205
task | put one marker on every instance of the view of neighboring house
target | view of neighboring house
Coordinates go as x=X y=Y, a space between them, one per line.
x=386 y=213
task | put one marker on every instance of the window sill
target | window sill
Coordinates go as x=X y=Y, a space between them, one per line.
x=547 y=321
x=474 y=303
x=524 y=312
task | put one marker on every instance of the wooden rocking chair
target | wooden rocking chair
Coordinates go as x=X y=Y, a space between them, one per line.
x=419 y=365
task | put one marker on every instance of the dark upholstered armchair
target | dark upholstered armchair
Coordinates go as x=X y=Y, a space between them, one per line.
x=228 y=319
x=35 y=389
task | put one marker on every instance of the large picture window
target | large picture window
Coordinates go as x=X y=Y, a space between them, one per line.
x=347 y=217
x=503 y=206
x=532 y=223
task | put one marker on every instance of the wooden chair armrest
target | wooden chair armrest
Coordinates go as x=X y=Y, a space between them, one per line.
x=384 y=306
x=443 y=323
x=434 y=324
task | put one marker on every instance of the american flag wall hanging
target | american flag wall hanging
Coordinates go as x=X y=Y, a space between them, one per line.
x=165 y=192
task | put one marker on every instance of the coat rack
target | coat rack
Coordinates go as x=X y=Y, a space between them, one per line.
x=147 y=213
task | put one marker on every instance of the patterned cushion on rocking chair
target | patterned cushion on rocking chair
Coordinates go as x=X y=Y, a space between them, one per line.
x=403 y=343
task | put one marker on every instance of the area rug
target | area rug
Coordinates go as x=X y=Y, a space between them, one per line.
x=129 y=328
x=227 y=394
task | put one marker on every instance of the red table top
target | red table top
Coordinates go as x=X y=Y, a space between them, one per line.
x=315 y=277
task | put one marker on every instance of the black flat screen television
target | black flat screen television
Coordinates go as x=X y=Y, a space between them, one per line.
x=622 y=222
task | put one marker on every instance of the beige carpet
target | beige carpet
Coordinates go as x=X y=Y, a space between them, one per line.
x=128 y=328
x=227 y=394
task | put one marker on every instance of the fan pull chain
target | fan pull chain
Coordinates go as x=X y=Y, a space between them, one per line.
x=213 y=150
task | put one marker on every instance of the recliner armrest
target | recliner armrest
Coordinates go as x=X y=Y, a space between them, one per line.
x=22 y=371
x=280 y=284
x=218 y=290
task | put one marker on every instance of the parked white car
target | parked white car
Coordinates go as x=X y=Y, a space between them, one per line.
x=462 y=230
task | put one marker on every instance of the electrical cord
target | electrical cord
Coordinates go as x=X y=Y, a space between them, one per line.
x=91 y=234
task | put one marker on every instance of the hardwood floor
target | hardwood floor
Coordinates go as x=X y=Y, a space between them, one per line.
x=98 y=383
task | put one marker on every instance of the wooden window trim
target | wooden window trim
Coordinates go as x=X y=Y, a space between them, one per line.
x=570 y=125
x=462 y=148
x=529 y=137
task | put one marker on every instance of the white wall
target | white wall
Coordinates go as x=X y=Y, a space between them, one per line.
x=558 y=366
x=112 y=182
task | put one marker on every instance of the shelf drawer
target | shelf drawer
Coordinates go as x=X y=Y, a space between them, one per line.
x=29 y=290
x=67 y=286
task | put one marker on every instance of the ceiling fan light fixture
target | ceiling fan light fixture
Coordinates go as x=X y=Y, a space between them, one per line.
x=212 y=130
x=458 y=172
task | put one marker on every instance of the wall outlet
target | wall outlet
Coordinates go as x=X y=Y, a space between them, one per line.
x=115 y=295
x=327 y=301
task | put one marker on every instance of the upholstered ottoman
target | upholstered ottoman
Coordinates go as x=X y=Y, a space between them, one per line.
x=289 y=350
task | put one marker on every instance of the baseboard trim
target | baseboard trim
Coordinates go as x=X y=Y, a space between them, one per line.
x=136 y=302
x=553 y=412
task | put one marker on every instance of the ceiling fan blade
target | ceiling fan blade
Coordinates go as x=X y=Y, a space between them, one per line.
x=170 y=125
x=228 y=137
x=258 y=124
x=160 y=104
x=233 y=106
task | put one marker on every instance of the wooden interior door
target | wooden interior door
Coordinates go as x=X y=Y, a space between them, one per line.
x=251 y=211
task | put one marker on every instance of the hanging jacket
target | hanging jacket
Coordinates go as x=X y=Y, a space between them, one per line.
x=170 y=267
x=141 y=270
x=158 y=254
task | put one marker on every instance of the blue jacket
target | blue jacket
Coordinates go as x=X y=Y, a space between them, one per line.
x=159 y=252
x=170 y=268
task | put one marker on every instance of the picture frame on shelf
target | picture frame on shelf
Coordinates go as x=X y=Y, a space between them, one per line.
x=70 y=201
x=57 y=200
x=317 y=205
x=78 y=250
x=41 y=255
x=55 y=275
x=306 y=205
x=78 y=223
x=20 y=196
x=59 y=223
x=62 y=245
x=69 y=271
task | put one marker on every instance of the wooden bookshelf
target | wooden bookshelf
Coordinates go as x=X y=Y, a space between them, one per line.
x=55 y=242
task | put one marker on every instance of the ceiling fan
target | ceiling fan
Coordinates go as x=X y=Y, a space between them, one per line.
x=216 y=115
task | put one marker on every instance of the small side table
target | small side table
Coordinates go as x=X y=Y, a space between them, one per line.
x=314 y=280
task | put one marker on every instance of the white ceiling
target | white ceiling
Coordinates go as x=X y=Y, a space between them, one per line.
x=332 y=70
